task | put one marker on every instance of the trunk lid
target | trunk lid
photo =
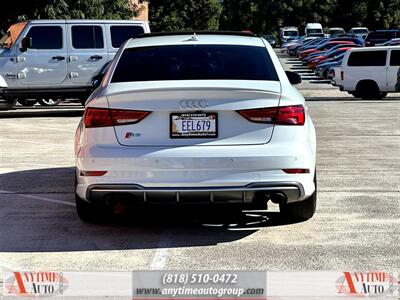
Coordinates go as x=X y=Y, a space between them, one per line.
x=217 y=97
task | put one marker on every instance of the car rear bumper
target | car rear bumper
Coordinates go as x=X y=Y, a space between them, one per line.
x=251 y=193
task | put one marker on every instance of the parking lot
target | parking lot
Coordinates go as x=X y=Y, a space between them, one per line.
x=355 y=226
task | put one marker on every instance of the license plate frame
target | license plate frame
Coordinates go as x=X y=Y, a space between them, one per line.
x=179 y=135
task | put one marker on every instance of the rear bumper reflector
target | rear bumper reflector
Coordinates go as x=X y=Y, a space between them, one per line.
x=93 y=173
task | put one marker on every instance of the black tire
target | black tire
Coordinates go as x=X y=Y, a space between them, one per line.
x=368 y=90
x=8 y=104
x=300 y=211
x=90 y=212
x=50 y=101
x=27 y=102
x=382 y=95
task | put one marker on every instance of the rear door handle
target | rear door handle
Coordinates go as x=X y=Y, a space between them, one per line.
x=58 y=57
x=96 y=57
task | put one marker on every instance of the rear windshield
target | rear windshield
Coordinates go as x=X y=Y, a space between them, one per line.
x=381 y=35
x=195 y=62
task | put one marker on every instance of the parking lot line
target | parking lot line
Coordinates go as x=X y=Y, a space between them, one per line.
x=40 y=198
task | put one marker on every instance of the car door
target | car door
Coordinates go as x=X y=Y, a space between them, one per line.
x=393 y=71
x=87 y=52
x=45 y=62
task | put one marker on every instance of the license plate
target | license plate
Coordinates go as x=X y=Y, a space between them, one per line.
x=193 y=125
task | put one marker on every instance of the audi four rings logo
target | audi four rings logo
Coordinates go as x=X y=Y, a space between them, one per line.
x=193 y=104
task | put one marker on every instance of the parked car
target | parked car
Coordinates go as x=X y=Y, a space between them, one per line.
x=271 y=40
x=323 y=68
x=287 y=34
x=368 y=73
x=328 y=52
x=392 y=42
x=325 y=46
x=334 y=54
x=218 y=122
x=381 y=36
x=312 y=28
x=360 y=32
x=335 y=32
x=51 y=59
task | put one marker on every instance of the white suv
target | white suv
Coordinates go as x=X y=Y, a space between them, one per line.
x=52 y=59
x=368 y=73
x=188 y=117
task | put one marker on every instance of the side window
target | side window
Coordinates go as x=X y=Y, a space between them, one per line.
x=367 y=58
x=395 y=58
x=46 y=37
x=119 y=34
x=87 y=37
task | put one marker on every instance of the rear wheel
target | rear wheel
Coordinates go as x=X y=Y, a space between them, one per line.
x=368 y=90
x=27 y=102
x=90 y=212
x=302 y=210
x=49 y=101
x=6 y=104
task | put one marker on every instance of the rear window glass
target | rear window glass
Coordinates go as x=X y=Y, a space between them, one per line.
x=395 y=58
x=46 y=37
x=87 y=37
x=367 y=58
x=119 y=34
x=381 y=35
x=195 y=62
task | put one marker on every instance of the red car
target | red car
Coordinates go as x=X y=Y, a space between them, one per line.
x=323 y=47
x=318 y=59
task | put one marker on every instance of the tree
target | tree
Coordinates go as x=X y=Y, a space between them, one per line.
x=18 y=10
x=174 y=15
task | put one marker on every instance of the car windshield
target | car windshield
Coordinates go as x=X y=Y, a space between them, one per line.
x=12 y=35
x=195 y=62
x=290 y=33
x=336 y=31
x=358 y=31
x=314 y=30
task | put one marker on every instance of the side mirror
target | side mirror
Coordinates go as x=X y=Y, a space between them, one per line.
x=26 y=43
x=293 y=77
x=3 y=83
x=96 y=80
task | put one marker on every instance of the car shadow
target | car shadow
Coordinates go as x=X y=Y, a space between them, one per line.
x=38 y=215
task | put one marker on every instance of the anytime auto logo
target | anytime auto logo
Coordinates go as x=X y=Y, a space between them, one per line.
x=35 y=284
x=367 y=284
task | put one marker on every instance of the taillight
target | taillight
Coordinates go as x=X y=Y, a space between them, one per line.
x=104 y=117
x=93 y=173
x=285 y=115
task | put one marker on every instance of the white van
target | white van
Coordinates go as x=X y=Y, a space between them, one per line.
x=286 y=34
x=368 y=73
x=44 y=59
x=312 y=28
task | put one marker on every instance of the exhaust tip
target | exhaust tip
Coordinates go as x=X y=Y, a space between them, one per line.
x=278 y=198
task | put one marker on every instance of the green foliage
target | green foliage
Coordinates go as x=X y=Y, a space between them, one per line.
x=260 y=16
x=18 y=10
x=172 y=15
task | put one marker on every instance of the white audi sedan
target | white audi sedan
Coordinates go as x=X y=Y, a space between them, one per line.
x=209 y=117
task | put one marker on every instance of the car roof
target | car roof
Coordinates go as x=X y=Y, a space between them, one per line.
x=375 y=48
x=198 y=38
x=73 y=21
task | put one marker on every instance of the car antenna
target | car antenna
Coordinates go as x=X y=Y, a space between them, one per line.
x=193 y=38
